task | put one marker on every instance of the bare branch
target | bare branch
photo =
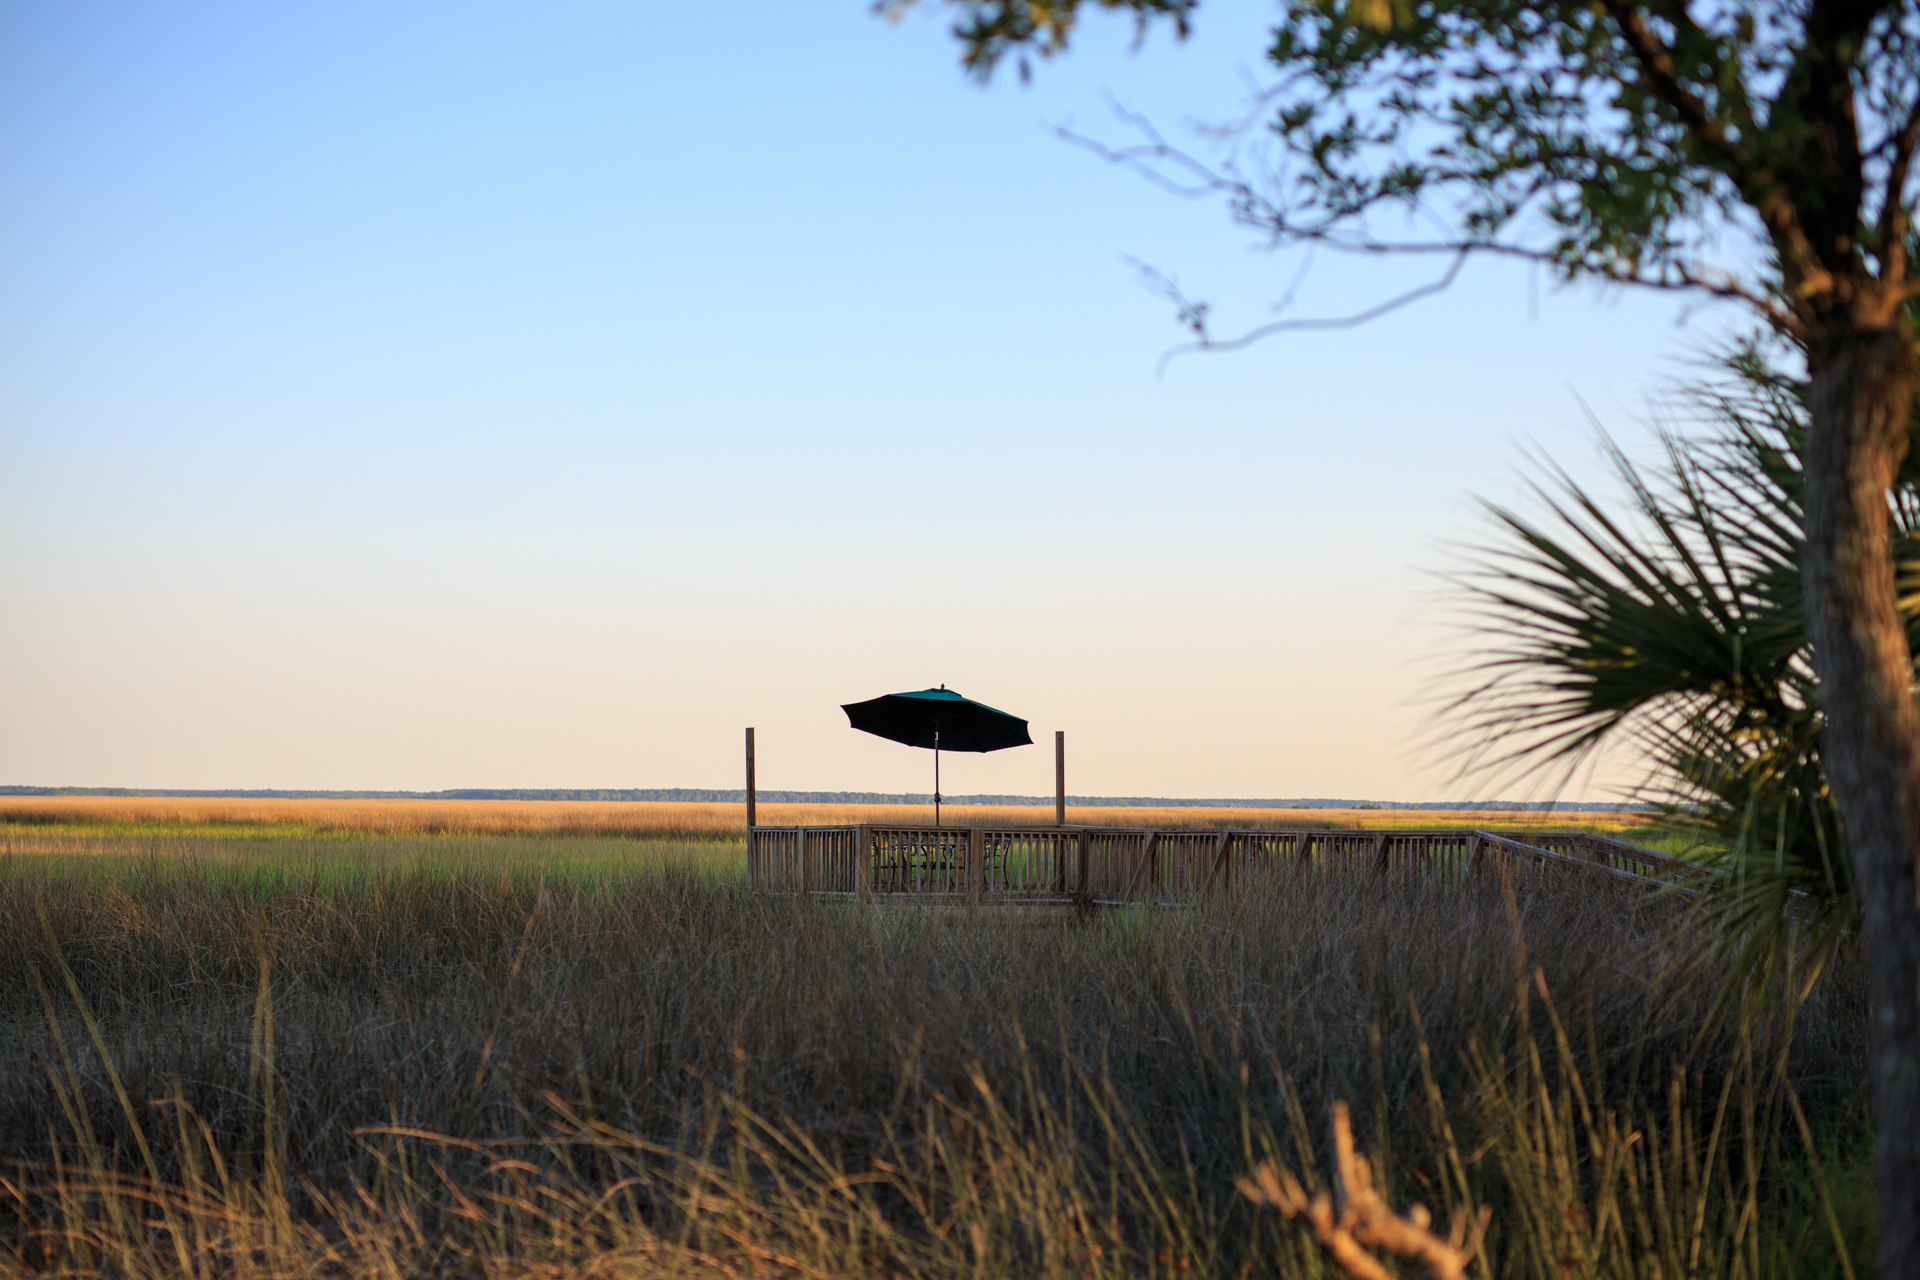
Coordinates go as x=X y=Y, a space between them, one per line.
x=1139 y=159
x=1193 y=178
x=1255 y=334
x=1193 y=313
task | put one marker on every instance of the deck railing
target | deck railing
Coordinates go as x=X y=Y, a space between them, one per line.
x=1119 y=865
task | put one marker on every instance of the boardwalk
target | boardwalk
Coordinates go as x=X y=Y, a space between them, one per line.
x=1117 y=866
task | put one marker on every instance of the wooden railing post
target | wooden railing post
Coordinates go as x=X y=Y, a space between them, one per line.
x=806 y=863
x=1059 y=777
x=976 y=863
x=1083 y=868
x=753 y=849
x=863 y=868
x=752 y=820
x=1380 y=854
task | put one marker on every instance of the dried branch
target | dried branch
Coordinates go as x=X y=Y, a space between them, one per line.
x=1363 y=1220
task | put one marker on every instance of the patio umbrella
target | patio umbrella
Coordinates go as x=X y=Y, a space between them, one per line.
x=938 y=718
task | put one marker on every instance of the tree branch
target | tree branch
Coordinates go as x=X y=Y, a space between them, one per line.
x=1198 y=178
x=1196 y=313
x=1193 y=313
x=1656 y=62
x=1733 y=89
x=1893 y=209
x=1756 y=182
x=1813 y=114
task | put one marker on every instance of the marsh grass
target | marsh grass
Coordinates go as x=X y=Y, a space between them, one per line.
x=557 y=1056
x=218 y=817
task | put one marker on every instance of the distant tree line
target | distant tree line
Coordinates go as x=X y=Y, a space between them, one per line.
x=696 y=795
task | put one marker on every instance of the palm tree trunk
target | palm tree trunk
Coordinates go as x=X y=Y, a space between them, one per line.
x=1863 y=384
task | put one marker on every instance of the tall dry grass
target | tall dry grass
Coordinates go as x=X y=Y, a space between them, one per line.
x=425 y=1056
x=664 y=820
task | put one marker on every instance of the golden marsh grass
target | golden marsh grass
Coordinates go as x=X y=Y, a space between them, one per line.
x=314 y=1052
x=672 y=820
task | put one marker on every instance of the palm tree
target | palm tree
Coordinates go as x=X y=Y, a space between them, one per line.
x=1672 y=622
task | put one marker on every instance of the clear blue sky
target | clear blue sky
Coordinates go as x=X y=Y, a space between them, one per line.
x=499 y=394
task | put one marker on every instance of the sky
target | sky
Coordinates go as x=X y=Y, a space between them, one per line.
x=427 y=395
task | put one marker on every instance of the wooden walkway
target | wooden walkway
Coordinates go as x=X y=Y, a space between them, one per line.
x=1117 y=866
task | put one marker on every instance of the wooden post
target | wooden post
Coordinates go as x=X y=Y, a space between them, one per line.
x=1083 y=857
x=1059 y=777
x=753 y=847
x=863 y=868
x=806 y=871
x=976 y=863
x=752 y=818
x=1380 y=854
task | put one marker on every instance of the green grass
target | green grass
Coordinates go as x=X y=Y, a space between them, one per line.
x=288 y=856
x=1675 y=842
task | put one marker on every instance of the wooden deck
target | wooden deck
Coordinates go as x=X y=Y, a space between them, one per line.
x=1118 y=866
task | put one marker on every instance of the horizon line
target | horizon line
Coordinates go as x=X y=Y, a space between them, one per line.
x=738 y=795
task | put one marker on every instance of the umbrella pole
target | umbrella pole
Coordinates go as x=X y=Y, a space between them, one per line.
x=936 y=779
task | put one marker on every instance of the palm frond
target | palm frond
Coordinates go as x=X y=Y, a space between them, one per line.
x=1669 y=620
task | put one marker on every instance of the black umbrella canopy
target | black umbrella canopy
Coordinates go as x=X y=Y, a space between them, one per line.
x=960 y=724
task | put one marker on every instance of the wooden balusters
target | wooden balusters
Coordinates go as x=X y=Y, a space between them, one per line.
x=1118 y=866
x=1147 y=858
x=1222 y=849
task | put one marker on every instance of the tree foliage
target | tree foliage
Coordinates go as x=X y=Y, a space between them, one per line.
x=1639 y=143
